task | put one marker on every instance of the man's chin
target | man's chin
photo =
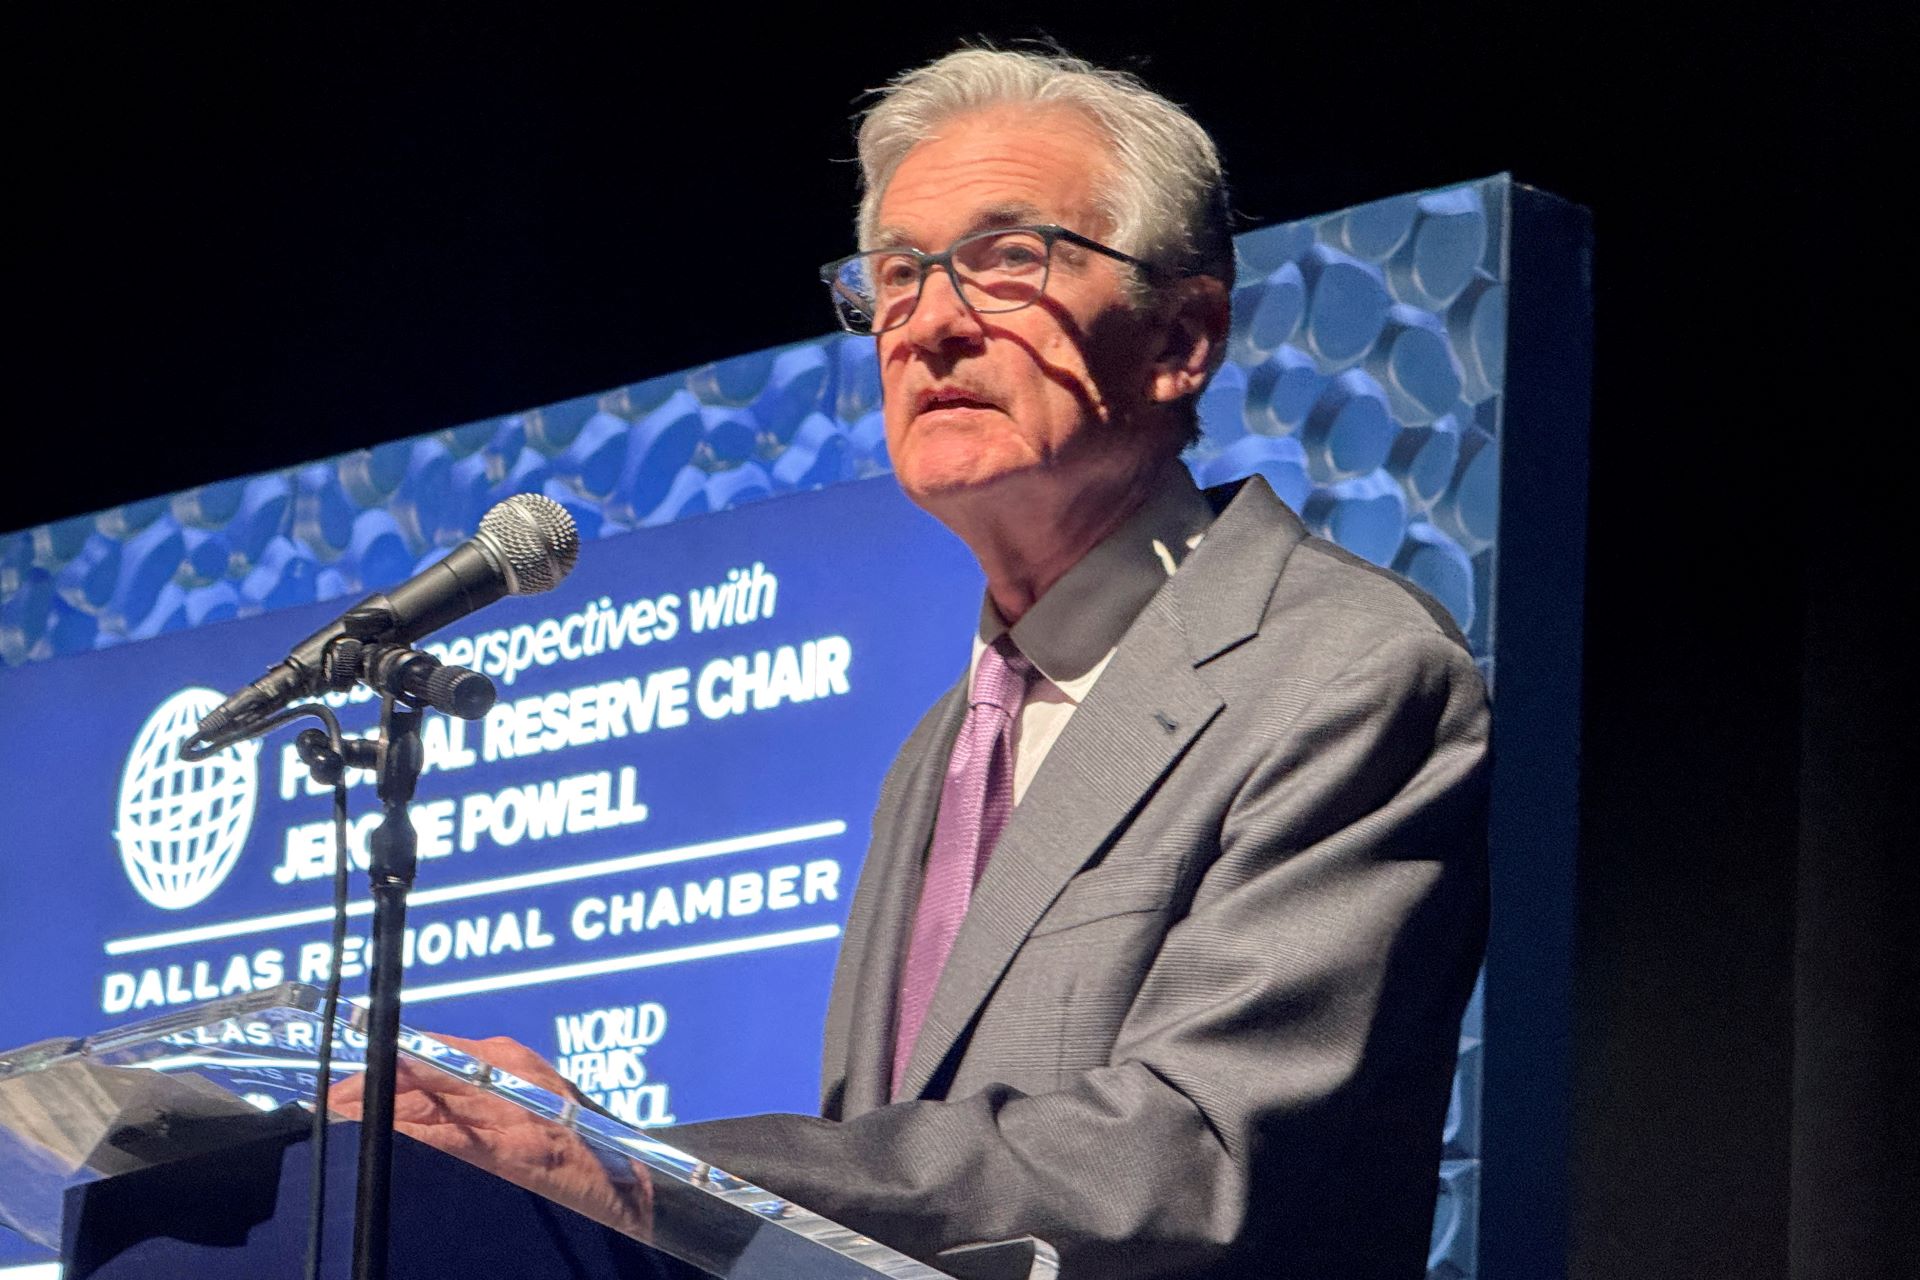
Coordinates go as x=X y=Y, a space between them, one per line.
x=964 y=478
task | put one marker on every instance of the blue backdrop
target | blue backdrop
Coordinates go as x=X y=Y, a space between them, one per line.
x=640 y=864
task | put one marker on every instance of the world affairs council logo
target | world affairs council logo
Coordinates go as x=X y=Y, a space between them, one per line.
x=183 y=823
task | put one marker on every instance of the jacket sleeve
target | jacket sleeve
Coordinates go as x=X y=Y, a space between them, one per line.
x=1274 y=1099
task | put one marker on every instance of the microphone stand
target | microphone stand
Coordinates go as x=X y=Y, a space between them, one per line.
x=406 y=681
x=392 y=858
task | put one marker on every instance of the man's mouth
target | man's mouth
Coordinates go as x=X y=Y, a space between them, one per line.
x=935 y=399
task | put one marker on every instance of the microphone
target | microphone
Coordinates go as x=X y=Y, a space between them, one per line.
x=525 y=545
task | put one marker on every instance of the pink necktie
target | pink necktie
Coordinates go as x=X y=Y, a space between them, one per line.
x=975 y=800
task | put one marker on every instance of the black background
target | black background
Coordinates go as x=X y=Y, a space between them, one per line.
x=244 y=238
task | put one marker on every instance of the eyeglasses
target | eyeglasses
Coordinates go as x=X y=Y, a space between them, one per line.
x=994 y=272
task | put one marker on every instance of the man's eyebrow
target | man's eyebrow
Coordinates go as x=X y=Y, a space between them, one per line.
x=1016 y=214
x=1007 y=215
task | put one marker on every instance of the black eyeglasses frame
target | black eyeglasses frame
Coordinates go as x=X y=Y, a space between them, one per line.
x=1050 y=233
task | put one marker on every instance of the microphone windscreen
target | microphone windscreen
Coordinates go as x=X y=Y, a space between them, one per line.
x=535 y=539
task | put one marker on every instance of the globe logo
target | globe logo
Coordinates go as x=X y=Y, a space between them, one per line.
x=182 y=824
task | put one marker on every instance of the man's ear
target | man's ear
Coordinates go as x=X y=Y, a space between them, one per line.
x=1194 y=318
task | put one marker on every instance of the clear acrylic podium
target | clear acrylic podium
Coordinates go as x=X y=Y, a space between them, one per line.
x=198 y=1122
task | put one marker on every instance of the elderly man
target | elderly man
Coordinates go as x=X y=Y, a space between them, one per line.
x=1174 y=901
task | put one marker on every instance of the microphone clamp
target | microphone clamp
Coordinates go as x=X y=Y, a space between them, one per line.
x=417 y=678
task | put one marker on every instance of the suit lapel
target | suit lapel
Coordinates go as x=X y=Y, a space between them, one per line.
x=1143 y=713
x=859 y=1034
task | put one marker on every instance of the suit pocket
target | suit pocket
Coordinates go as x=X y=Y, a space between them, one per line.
x=1088 y=900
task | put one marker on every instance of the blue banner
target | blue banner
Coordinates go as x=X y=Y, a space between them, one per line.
x=639 y=863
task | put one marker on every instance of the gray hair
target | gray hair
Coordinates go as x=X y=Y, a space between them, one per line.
x=1166 y=202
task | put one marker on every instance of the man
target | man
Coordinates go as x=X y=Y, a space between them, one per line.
x=1174 y=902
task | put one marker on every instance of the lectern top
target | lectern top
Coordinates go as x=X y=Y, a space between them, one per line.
x=75 y=1110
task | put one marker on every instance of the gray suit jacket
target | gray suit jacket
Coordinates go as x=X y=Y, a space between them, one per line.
x=1202 y=1014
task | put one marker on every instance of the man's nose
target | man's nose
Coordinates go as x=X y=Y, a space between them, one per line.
x=942 y=318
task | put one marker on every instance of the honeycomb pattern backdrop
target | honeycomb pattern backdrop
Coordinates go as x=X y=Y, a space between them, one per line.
x=1363 y=380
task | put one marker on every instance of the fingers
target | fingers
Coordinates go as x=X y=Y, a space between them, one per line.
x=510 y=1055
x=462 y=1105
x=412 y=1082
x=345 y=1095
x=552 y=1161
x=497 y=1135
x=479 y=1126
x=496 y=1051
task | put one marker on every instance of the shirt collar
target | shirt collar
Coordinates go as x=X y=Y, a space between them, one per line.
x=1070 y=631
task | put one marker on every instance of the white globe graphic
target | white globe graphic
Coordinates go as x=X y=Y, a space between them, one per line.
x=183 y=824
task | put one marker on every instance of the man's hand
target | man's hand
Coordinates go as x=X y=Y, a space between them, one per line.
x=502 y=1138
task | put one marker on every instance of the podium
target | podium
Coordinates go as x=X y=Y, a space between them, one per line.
x=183 y=1145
